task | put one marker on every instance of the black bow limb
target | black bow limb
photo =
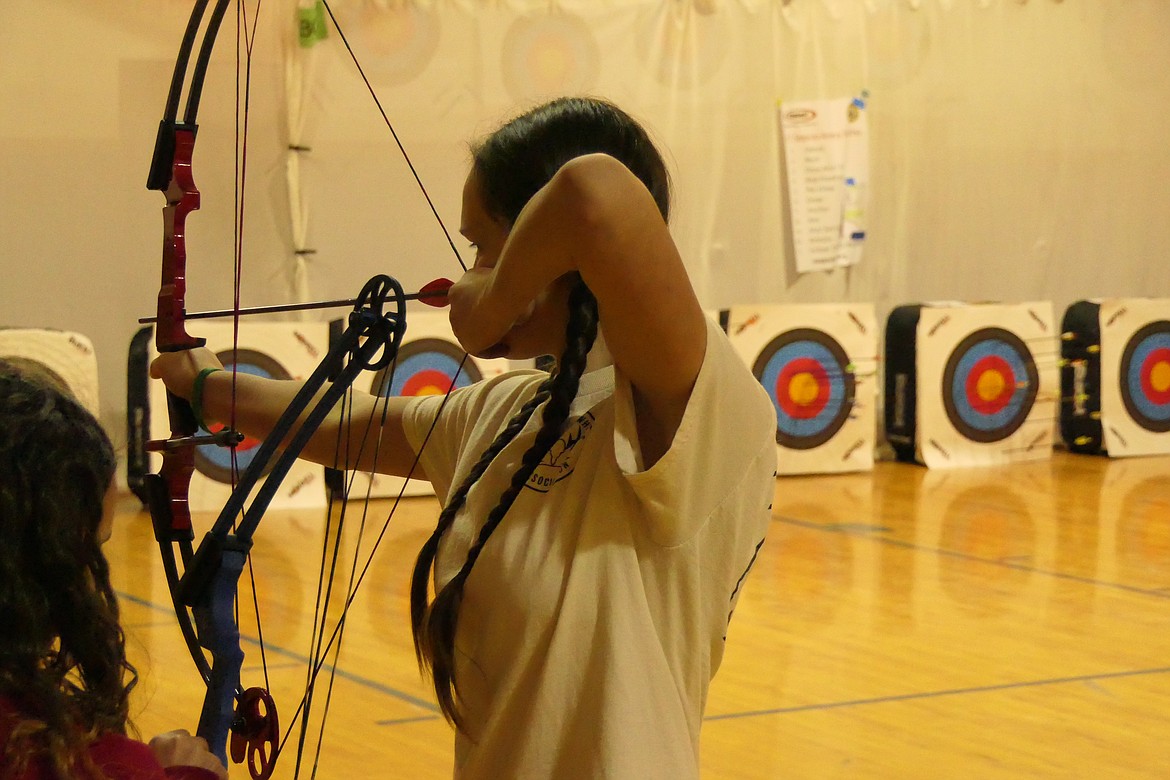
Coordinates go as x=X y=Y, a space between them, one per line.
x=210 y=584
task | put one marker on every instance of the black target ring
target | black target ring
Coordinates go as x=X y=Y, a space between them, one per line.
x=989 y=385
x=1144 y=376
x=808 y=376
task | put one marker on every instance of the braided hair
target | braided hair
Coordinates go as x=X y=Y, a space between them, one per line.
x=62 y=652
x=512 y=164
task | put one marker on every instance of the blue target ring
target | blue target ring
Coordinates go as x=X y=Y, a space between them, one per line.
x=808 y=377
x=1145 y=376
x=989 y=385
x=425 y=367
x=215 y=462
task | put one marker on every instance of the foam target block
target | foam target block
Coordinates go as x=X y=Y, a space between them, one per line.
x=819 y=366
x=64 y=359
x=1116 y=377
x=971 y=384
x=430 y=362
x=271 y=350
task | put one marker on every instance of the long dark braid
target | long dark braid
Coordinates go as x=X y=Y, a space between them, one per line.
x=512 y=164
x=420 y=579
x=434 y=627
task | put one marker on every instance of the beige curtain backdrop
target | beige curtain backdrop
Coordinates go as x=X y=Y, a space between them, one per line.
x=1018 y=147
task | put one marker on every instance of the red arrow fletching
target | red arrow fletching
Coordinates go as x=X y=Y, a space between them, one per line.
x=435 y=293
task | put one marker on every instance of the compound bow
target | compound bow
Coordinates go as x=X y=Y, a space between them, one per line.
x=204 y=590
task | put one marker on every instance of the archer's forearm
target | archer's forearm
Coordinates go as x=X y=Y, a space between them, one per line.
x=361 y=432
x=255 y=404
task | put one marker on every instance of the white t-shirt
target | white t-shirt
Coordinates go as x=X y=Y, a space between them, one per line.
x=596 y=614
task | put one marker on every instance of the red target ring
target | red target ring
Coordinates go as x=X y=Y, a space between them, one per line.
x=1155 y=373
x=990 y=385
x=427 y=382
x=802 y=388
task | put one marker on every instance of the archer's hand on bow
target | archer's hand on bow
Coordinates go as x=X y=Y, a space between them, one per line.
x=180 y=749
x=178 y=370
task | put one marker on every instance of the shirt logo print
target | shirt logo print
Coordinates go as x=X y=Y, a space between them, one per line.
x=559 y=462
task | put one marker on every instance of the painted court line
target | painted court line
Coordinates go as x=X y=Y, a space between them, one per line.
x=302 y=659
x=832 y=705
x=872 y=532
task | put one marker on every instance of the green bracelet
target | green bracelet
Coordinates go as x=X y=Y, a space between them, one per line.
x=197 y=395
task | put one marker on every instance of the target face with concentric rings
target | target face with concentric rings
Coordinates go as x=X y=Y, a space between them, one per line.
x=553 y=53
x=425 y=367
x=215 y=462
x=989 y=385
x=808 y=377
x=1145 y=376
x=398 y=42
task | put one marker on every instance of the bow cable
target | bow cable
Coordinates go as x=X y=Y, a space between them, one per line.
x=245 y=41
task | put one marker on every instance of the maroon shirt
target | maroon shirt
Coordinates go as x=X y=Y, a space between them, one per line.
x=117 y=756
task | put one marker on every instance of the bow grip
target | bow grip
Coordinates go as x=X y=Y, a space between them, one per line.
x=215 y=620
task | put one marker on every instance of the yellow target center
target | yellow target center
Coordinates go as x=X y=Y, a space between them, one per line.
x=803 y=388
x=990 y=385
x=431 y=390
x=1160 y=377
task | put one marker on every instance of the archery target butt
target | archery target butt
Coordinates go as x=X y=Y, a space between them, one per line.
x=971 y=384
x=1135 y=376
x=62 y=359
x=818 y=364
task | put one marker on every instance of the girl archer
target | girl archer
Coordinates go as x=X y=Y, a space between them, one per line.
x=581 y=603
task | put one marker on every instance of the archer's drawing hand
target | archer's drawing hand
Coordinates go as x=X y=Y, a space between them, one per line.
x=480 y=323
x=177 y=370
x=179 y=748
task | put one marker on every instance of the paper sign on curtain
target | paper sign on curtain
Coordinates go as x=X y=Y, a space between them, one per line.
x=826 y=150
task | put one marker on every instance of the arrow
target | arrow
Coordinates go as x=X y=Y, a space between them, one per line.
x=432 y=294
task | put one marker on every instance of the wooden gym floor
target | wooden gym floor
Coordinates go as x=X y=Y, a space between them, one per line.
x=1007 y=622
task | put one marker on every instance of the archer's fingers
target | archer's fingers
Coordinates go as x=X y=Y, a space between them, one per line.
x=177 y=370
x=179 y=749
